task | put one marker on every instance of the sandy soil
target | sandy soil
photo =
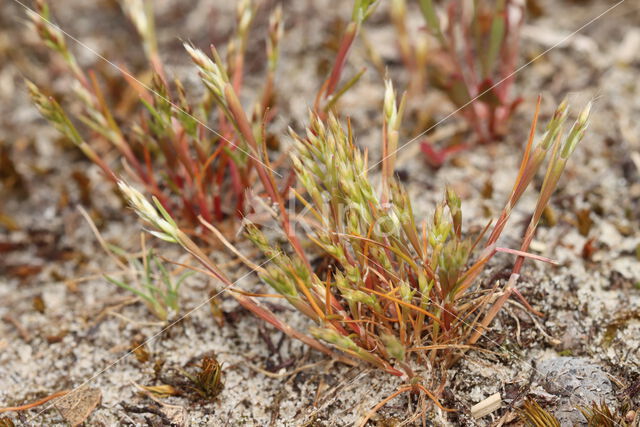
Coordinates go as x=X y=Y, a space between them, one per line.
x=64 y=325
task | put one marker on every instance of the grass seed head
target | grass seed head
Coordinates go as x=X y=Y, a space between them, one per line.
x=157 y=216
x=577 y=132
x=53 y=112
x=212 y=72
x=276 y=32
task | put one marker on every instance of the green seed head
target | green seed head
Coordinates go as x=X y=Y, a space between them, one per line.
x=577 y=132
x=166 y=228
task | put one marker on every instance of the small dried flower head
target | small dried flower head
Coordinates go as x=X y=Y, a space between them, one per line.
x=453 y=200
x=406 y=292
x=555 y=124
x=441 y=228
x=390 y=109
x=583 y=118
x=455 y=207
x=283 y=284
x=333 y=337
x=561 y=109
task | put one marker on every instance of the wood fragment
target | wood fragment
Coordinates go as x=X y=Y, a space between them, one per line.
x=487 y=406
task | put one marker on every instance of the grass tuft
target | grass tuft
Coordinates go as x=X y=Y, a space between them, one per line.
x=207 y=382
x=401 y=292
x=533 y=415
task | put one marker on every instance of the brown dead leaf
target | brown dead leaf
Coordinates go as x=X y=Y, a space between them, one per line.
x=54 y=339
x=160 y=391
x=23 y=271
x=38 y=304
x=76 y=406
x=583 y=217
x=139 y=349
x=487 y=189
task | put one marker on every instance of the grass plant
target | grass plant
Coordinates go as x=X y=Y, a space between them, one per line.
x=169 y=148
x=329 y=93
x=471 y=56
x=145 y=275
x=401 y=293
x=595 y=415
x=152 y=282
x=477 y=49
x=533 y=415
x=601 y=415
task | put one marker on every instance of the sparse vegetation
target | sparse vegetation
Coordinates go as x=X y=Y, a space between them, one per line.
x=469 y=51
x=145 y=275
x=344 y=252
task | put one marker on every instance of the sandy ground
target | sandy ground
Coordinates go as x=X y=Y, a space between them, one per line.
x=84 y=328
